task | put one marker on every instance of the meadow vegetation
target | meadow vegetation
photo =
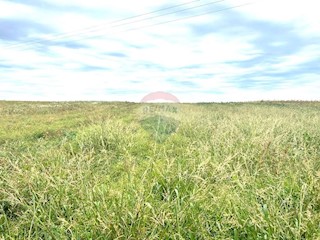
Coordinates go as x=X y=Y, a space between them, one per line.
x=94 y=170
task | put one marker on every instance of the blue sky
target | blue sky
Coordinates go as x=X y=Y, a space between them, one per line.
x=69 y=50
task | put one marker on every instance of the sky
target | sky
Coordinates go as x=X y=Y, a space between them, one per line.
x=199 y=51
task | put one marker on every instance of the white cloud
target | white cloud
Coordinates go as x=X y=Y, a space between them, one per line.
x=303 y=14
x=153 y=59
x=12 y=10
x=304 y=56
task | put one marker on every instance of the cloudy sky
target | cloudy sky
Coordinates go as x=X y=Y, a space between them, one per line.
x=98 y=50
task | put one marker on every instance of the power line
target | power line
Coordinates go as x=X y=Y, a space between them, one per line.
x=180 y=19
x=194 y=16
x=91 y=28
x=176 y=20
x=179 y=11
x=166 y=22
x=65 y=36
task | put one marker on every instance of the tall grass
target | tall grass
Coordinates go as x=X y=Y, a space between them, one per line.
x=206 y=171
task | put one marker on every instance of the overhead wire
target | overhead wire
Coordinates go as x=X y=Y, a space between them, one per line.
x=97 y=27
x=34 y=43
x=34 y=46
x=174 y=20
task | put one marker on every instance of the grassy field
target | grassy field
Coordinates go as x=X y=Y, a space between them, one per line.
x=91 y=170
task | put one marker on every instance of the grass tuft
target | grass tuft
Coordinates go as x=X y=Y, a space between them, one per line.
x=123 y=171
